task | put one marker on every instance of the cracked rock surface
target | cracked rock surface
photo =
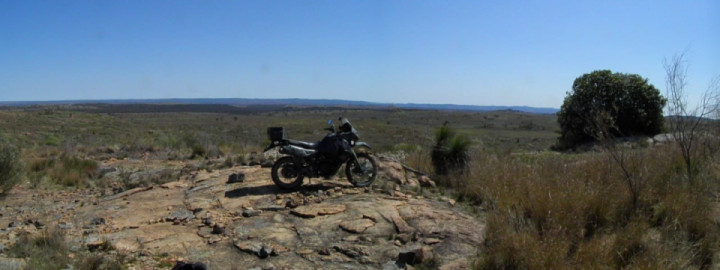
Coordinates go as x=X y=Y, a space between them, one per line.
x=202 y=217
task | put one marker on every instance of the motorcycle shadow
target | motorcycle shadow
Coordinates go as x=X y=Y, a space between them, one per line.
x=272 y=189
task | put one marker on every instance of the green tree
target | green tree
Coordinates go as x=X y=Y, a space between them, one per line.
x=630 y=104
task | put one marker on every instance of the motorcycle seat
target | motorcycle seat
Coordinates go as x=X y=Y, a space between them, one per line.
x=306 y=145
x=296 y=151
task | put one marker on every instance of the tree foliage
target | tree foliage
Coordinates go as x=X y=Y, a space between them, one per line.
x=628 y=103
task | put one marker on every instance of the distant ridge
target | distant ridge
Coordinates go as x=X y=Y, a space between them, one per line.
x=289 y=101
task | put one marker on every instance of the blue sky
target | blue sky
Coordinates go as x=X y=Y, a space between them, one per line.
x=459 y=52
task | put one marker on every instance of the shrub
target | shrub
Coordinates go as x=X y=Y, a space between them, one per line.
x=10 y=166
x=198 y=151
x=572 y=211
x=632 y=105
x=450 y=153
x=47 y=251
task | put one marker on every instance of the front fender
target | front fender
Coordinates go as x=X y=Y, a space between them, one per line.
x=362 y=144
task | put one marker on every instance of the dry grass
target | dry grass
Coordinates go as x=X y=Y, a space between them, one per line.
x=62 y=169
x=575 y=211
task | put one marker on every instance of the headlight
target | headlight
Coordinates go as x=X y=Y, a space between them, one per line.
x=352 y=143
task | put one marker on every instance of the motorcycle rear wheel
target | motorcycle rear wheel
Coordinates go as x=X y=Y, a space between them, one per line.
x=286 y=174
x=361 y=176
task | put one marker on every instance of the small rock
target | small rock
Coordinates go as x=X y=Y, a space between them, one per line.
x=35 y=223
x=14 y=224
x=448 y=200
x=250 y=213
x=365 y=238
x=258 y=248
x=217 y=229
x=352 y=251
x=97 y=221
x=269 y=266
x=249 y=246
x=180 y=215
x=267 y=164
x=324 y=251
x=95 y=245
x=401 y=225
x=351 y=238
x=369 y=217
x=403 y=237
x=236 y=178
x=265 y=251
x=207 y=221
x=214 y=239
x=357 y=225
x=291 y=204
x=431 y=241
x=102 y=170
x=426 y=181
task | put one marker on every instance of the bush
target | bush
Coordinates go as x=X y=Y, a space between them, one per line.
x=631 y=105
x=570 y=211
x=47 y=251
x=450 y=153
x=10 y=166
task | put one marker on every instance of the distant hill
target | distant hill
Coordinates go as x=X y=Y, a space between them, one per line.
x=292 y=102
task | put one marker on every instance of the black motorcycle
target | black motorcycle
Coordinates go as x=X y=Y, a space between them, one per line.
x=323 y=158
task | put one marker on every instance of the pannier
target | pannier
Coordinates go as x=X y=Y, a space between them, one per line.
x=276 y=133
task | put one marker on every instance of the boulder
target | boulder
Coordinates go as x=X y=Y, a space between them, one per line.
x=393 y=172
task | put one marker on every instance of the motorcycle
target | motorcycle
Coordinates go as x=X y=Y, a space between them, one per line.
x=321 y=159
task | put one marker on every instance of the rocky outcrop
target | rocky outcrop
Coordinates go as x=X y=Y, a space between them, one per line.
x=244 y=224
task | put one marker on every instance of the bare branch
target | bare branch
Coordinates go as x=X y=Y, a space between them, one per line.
x=683 y=121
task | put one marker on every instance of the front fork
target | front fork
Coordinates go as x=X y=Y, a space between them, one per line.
x=357 y=162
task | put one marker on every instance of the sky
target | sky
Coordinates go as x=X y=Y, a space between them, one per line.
x=442 y=52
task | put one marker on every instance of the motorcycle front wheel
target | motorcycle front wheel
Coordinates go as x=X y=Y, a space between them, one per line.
x=365 y=174
x=286 y=174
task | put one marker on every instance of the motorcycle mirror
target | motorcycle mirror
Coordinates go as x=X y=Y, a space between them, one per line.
x=329 y=121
